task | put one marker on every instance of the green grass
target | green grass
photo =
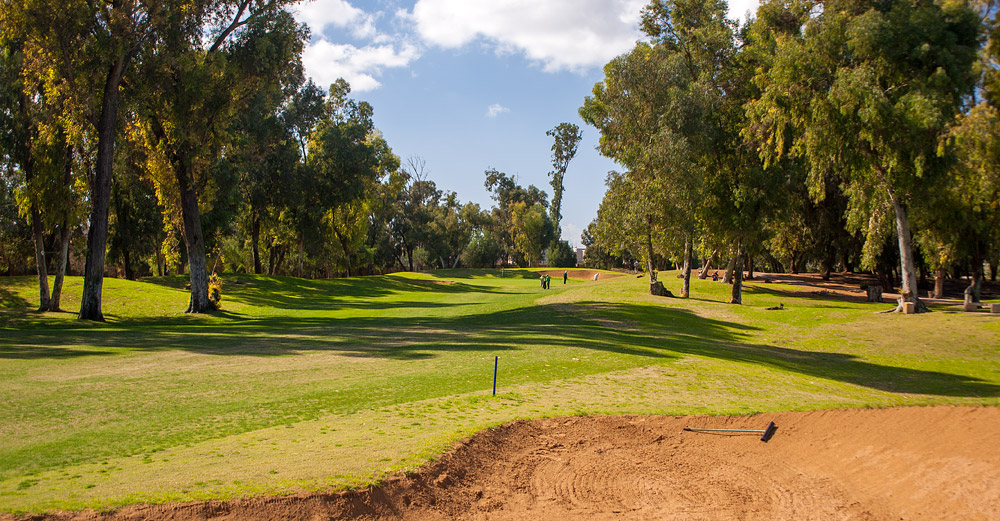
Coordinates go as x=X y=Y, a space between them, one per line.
x=306 y=385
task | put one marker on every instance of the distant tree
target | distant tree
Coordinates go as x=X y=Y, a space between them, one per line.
x=561 y=255
x=566 y=136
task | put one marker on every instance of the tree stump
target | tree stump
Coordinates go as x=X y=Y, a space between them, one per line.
x=874 y=293
x=657 y=289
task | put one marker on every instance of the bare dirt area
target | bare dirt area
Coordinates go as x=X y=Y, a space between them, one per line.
x=577 y=273
x=847 y=287
x=915 y=463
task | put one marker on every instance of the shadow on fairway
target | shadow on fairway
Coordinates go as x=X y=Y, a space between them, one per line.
x=627 y=329
x=326 y=294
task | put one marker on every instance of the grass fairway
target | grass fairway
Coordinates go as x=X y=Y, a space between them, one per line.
x=303 y=385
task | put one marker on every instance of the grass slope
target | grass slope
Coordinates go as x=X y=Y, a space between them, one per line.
x=303 y=385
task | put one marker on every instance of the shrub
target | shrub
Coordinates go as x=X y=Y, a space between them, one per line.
x=214 y=290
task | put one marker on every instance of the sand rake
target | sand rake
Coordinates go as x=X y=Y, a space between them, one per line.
x=764 y=434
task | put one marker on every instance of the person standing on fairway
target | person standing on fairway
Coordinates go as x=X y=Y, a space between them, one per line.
x=565 y=276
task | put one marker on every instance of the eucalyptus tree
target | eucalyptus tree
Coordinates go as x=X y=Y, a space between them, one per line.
x=566 y=137
x=37 y=146
x=342 y=167
x=196 y=93
x=529 y=202
x=664 y=111
x=81 y=53
x=866 y=89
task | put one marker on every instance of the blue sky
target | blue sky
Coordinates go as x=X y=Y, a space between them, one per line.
x=468 y=85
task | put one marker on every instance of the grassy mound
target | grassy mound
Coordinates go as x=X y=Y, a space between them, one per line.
x=303 y=385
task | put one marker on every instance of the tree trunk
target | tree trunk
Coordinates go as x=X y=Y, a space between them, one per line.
x=100 y=194
x=65 y=234
x=127 y=265
x=737 y=295
x=38 y=234
x=795 y=263
x=649 y=249
x=907 y=267
x=343 y=246
x=255 y=242
x=280 y=259
x=686 y=271
x=993 y=268
x=193 y=240
x=828 y=262
x=161 y=269
x=271 y=255
x=653 y=290
x=728 y=277
x=302 y=247
x=939 y=284
x=409 y=257
x=749 y=266
x=708 y=265
x=974 y=290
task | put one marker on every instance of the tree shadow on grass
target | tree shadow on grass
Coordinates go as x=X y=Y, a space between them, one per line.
x=327 y=294
x=642 y=331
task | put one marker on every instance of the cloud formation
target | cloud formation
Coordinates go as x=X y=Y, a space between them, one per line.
x=321 y=14
x=495 y=110
x=559 y=34
x=325 y=61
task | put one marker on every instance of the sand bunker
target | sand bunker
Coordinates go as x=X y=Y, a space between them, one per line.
x=916 y=463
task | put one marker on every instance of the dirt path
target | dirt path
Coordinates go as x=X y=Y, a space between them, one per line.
x=916 y=463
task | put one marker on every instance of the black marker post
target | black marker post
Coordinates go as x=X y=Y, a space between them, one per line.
x=496 y=362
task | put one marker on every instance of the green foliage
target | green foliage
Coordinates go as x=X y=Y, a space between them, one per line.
x=483 y=251
x=560 y=255
x=566 y=136
x=215 y=290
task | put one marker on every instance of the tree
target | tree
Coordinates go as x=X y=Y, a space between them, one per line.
x=566 y=136
x=665 y=111
x=81 y=53
x=508 y=194
x=196 y=95
x=866 y=89
x=531 y=230
x=43 y=156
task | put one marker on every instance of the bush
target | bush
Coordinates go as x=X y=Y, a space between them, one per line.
x=214 y=290
x=562 y=256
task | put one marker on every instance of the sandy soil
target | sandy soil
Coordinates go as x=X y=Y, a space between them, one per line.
x=916 y=463
x=574 y=273
x=847 y=287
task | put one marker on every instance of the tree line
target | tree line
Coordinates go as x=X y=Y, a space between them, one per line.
x=817 y=134
x=182 y=136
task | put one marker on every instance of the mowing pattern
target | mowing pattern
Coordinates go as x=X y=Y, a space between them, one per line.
x=917 y=463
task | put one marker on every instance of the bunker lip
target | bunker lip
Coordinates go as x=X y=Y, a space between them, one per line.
x=915 y=463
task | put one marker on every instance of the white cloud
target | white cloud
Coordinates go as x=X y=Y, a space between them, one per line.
x=571 y=233
x=320 y=14
x=738 y=8
x=360 y=66
x=495 y=110
x=559 y=34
